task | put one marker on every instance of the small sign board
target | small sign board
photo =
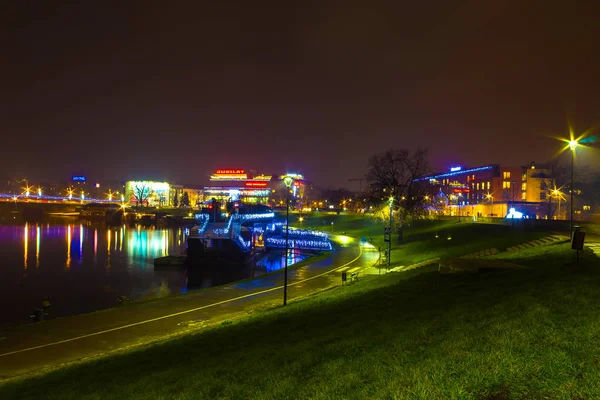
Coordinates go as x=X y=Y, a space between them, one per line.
x=386 y=234
x=79 y=178
x=577 y=240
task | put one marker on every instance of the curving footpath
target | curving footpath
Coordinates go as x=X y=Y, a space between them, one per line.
x=39 y=347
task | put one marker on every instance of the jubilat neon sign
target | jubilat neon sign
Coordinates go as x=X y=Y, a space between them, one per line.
x=230 y=172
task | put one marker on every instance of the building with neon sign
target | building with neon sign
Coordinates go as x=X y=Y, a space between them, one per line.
x=237 y=184
x=492 y=190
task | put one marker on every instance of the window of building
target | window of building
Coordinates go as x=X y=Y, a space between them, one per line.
x=543 y=195
x=586 y=208
x=523 y=186
x=506 y=175
x=523 y=195
x=488 y=186
x=477 y=185
x=506 y=185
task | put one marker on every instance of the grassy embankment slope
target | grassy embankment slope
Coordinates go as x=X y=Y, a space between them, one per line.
x=507 y=334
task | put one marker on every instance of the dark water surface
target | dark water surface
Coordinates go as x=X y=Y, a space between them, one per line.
x=86 y=267
x=82 y=267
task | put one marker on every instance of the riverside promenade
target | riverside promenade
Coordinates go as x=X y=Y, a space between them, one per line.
x=43 y=346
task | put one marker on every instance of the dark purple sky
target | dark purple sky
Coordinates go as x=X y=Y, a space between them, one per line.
x=173 y=90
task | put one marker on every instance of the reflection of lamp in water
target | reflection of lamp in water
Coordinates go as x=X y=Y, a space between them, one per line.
x=37 y=246
x=108 y=237
x=25 y=245
x=68 y=262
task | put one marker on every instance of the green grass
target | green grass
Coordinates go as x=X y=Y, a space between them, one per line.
x=529 y=333
x=424 y=239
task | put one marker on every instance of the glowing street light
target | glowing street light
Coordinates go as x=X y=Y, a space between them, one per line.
x=39 y=191
x=27 y=190
x=389 y=257
x=490 y=197
x=82 y=195
x=558 y=194
x=288 y=181
x=572 y=145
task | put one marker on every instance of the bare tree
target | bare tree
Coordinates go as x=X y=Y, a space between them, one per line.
x=141 y=192
x=399 y=174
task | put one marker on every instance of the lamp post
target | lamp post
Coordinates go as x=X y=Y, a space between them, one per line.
x=572 y=145
x=288 y=180
x=491 y=198
x=389 y=260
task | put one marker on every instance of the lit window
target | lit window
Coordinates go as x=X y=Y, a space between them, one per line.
x=506 y=185
x=477 y=185
x=524 y=177
x=586 y=208
x=524 y=196
x=488 y=186
x=523 y=186
x=506 y=175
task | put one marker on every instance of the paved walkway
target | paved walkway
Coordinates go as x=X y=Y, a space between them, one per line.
x=49 y=344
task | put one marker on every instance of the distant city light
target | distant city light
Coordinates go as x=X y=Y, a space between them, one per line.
x=454 y=169
x=513 y=214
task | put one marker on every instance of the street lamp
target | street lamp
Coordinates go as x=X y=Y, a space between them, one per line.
x=558 y=194
x=391 y=204
x=288 y=180
x=572 y=145
x=490 y=197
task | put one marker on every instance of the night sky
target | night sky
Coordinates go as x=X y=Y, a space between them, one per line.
x=174 y=90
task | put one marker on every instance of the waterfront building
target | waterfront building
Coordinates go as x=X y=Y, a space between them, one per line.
x=492 y=191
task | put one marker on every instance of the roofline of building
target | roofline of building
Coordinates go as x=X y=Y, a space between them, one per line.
x=456 y=173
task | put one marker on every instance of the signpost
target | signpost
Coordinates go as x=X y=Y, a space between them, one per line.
x=386 y=238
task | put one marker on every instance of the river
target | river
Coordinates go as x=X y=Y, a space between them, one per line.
x=87 y=267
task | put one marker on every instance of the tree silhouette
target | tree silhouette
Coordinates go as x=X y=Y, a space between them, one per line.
x=175 y=200
x=141 y=192
x=399 y=174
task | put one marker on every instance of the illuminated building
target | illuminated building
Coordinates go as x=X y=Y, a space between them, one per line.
x=238 y=184
x=148 y=193
x=491 y=190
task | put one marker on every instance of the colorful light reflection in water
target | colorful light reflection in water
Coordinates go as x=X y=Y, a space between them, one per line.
x=83 y=268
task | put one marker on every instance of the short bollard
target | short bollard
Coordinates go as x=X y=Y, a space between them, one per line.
x=344 y=277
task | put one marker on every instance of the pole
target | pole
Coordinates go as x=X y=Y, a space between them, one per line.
x=390 y=237
x=287 y=235
x=572 y=190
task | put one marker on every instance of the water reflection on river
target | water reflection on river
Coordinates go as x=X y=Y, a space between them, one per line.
x=87 y=267
x=82 y=267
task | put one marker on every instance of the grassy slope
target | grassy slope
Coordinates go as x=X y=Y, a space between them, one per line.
x=425 y=239
x=507 y=334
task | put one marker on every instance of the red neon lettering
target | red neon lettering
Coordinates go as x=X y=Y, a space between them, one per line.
x=230 y=172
